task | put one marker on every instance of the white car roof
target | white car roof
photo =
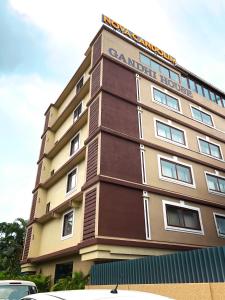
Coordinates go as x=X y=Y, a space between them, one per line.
x=95 y=295
x=16 y=282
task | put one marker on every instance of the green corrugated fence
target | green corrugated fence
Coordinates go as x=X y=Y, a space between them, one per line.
x=202 y=265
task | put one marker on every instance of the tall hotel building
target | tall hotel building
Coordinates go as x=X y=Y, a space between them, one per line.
x=131 y=161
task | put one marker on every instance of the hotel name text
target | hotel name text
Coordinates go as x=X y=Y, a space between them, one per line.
x=126 y=32
x=149 y=72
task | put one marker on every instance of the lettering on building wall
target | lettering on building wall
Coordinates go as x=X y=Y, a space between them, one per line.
x=149 y=72
x=137 y=39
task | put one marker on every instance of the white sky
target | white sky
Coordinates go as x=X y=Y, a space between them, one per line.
x=44 y=42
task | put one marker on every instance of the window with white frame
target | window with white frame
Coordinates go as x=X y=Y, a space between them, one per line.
x=140 y=127
x=209 y=148
x=220 y=224
x=181 y=217
x=201 y=116
x=67 y=229
x=71 y=181
x=166 y=99
x=215 y=183
x=170 y=133
x=143 y=167
x=79 y=84
x=77 y=112
x=75 y=144
x=138 y=87
x=176 y=171
x=146 y=216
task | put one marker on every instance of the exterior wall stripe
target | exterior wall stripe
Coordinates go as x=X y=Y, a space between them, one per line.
x=38 y=174
x=42 y=147
x=46 y=120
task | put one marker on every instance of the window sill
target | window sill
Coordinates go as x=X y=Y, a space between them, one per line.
x=178 y=182
x=178 y=229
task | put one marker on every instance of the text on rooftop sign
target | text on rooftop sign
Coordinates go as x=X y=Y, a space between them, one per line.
x=137 y=39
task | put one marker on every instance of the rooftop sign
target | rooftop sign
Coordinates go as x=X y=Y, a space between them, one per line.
x=137 y=39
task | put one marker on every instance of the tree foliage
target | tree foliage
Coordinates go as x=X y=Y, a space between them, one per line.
x=12 y=237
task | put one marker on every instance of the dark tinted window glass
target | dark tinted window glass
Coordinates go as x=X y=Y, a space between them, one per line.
x=63 y=270
x=182 y=217
x=220 y=224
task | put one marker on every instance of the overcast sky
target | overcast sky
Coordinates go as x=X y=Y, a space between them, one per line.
x=42 y=42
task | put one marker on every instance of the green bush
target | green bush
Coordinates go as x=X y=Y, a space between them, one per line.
x=76 y=282
x=42 y=282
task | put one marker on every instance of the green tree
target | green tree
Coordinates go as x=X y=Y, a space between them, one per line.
x=12 y=237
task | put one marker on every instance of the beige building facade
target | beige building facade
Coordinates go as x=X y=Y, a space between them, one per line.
x=131 y=161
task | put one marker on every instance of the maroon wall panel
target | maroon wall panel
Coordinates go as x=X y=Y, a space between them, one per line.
x=46 y=120
x=38 y=174
x=94 y=114
x=119 y=115
x=42 y=146
x=121 y=212
x=95 y=83
x=119 y=81
x=89 y=215
x=92 y=160
x=27 y=243
x=97 y=50
x=120 y=158
x=33 y=206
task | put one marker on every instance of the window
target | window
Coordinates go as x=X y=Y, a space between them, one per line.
x=147 y=221
x=176 y=172
x=77 y=112
x=199 y=89
x=67 y=224
x=79 y=85
x=63 y=270
x=143 y=168
x=170 y=133
x=215 y=183
x=220 y=224
x=140 y=127
x=138 y=87
x=201 y=116
x=165 y=99
x=202 y=90
x=210 y=149
x=192 y=85
x=71 y=180
x=74 y=145
x=155 y=66
x=180 y=217
x=184 y=82
x=206 y=93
